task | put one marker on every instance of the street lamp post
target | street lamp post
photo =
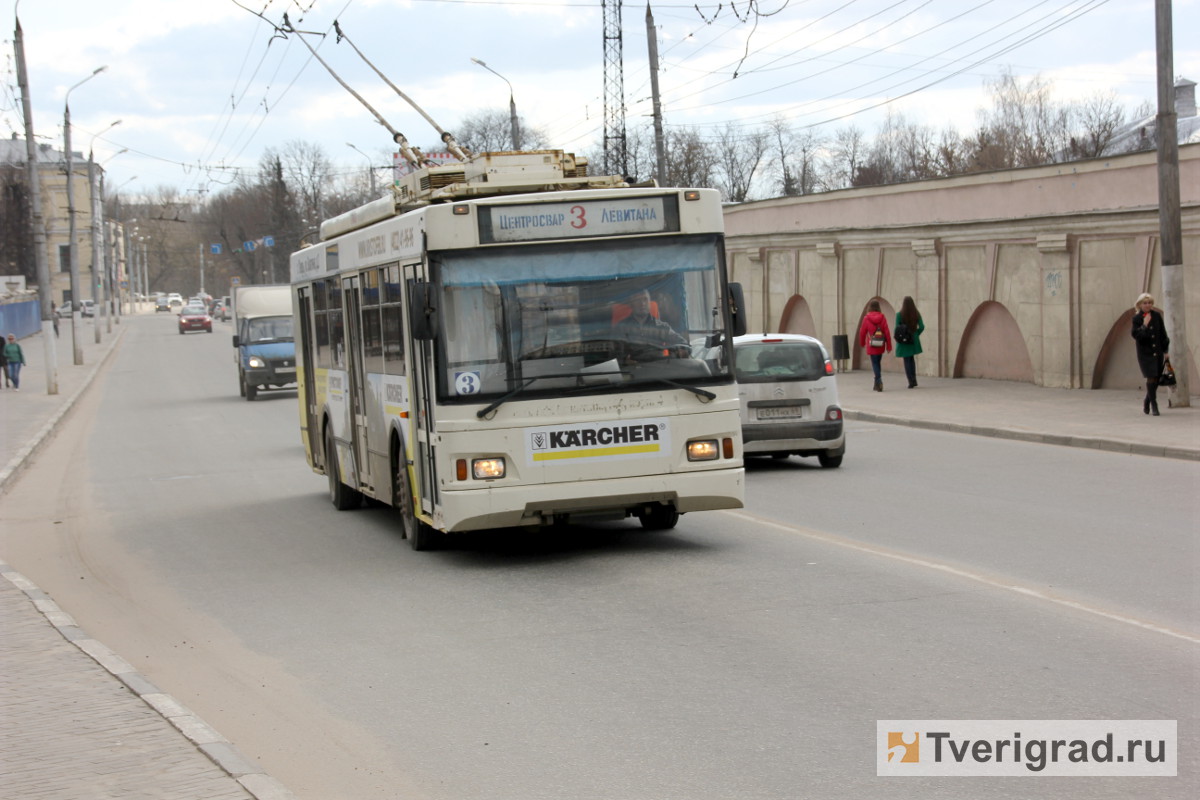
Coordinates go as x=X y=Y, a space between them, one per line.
x=97 y=235
x=370 y=167
x=514 y=128
x=72 y=247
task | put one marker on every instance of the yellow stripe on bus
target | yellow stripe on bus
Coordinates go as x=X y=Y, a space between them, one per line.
x=597 y=451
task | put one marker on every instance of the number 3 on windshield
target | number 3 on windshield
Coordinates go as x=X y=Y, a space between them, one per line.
x=467 y=383
x=580 y=217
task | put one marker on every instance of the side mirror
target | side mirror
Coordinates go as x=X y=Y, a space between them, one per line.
x=422 y=314
x=236 y=343
x=737 y=309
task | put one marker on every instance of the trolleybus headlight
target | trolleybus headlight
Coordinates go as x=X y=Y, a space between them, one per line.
x=257 y=362
x=703 y=450
x=486 y=468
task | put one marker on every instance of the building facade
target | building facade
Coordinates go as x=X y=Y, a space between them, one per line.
x=52 y=174
x=1026 y=275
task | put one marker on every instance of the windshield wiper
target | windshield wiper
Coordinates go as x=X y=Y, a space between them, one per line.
x=696 y=390
x=499 y=401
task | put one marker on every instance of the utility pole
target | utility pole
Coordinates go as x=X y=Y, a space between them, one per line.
x=45 y=298
x=660 y=149
x=616 y=154
x=1170 y=224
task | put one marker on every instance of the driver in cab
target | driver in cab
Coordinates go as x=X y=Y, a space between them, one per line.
x=646 y=337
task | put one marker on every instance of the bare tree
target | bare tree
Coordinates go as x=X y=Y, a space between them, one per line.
x=1098 y=118
x=739 y=157
x=490 y=130
x=691 y=161
x=306 y=170
x=1023 y=128
x=846 y=156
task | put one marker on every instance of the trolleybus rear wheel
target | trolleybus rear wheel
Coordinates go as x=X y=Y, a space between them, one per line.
x=659 y=517
x=341 y=495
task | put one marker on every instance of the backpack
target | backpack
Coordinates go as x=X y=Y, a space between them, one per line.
x=902 y=334
x=877 y=339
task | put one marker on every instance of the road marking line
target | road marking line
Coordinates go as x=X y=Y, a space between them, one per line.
x=977 y=577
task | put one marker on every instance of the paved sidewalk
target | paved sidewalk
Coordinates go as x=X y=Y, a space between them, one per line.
x=1109 y=419
x=79 y=722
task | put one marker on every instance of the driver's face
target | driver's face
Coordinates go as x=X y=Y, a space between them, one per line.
x=640 y=303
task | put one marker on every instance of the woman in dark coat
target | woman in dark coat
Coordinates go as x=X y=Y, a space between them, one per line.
x=1151 y=341
x=908 y=351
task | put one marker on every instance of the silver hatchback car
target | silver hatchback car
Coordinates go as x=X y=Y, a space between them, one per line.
x=789 y=396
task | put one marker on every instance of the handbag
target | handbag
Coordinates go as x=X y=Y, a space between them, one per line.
x=1168 y=374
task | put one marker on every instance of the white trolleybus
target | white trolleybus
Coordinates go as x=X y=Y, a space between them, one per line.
x=518 y=348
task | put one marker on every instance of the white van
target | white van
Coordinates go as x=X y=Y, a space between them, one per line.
x=789 y=397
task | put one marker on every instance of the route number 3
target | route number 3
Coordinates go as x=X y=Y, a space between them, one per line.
x=466 y=383
x=579 y=213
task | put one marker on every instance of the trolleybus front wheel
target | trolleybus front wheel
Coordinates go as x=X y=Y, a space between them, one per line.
x=419 y=535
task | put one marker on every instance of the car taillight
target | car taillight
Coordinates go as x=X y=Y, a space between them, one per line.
x=833 y=413
x=828 y=367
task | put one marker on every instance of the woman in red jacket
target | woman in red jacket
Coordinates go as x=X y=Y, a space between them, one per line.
x=876 y=337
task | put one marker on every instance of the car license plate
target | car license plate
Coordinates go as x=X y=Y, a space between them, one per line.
x=781 y=412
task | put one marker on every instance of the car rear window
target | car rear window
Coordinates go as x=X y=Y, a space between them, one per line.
x=780 y=361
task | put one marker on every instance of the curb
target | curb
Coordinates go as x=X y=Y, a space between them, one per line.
x=218 y=749
x=1094 y=443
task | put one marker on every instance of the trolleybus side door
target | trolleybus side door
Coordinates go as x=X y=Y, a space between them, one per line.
x=308 y=386
x=420 y=365
x=352 y=303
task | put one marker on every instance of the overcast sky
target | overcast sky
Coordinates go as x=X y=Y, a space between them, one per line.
x=203 y=87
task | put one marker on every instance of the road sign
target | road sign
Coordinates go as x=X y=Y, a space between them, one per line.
x=215 y=249
x=236 y=281
x=248 y=246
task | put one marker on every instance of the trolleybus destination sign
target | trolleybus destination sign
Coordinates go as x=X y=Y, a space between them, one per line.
x=625 y=216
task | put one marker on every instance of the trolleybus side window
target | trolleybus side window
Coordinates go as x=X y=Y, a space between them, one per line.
x=337 y=334
x=321 y=324
x=372 y=331
x=393 y=322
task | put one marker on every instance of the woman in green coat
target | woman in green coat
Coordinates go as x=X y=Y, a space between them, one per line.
x=908 y=319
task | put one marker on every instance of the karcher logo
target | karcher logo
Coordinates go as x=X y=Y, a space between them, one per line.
x=633 y=438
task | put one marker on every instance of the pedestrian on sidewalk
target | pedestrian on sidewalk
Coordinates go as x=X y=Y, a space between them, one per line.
x=4 y=368
x=15 y=359
x=907 y=333
x=1151 y=342
x=875 y=336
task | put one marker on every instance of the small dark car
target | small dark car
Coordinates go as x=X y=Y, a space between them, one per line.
x=194 y=318
x=162 y=304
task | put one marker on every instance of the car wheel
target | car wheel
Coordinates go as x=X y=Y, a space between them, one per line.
x=341 y=495
x=659 y=518
x=420 y=536
x=829 y=462
x=251 y=391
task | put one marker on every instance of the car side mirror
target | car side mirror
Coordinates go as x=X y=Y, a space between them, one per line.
x=236 y=343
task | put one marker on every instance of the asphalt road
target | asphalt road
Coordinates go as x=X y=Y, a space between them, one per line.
x=746 y=654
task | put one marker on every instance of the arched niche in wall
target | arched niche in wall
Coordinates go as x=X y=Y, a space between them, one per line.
x=1116 y=363
x=992 y=347
x=860 y=359
x=797 y=317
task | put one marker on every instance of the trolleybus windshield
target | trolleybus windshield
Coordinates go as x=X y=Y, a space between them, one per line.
x=555 y=317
